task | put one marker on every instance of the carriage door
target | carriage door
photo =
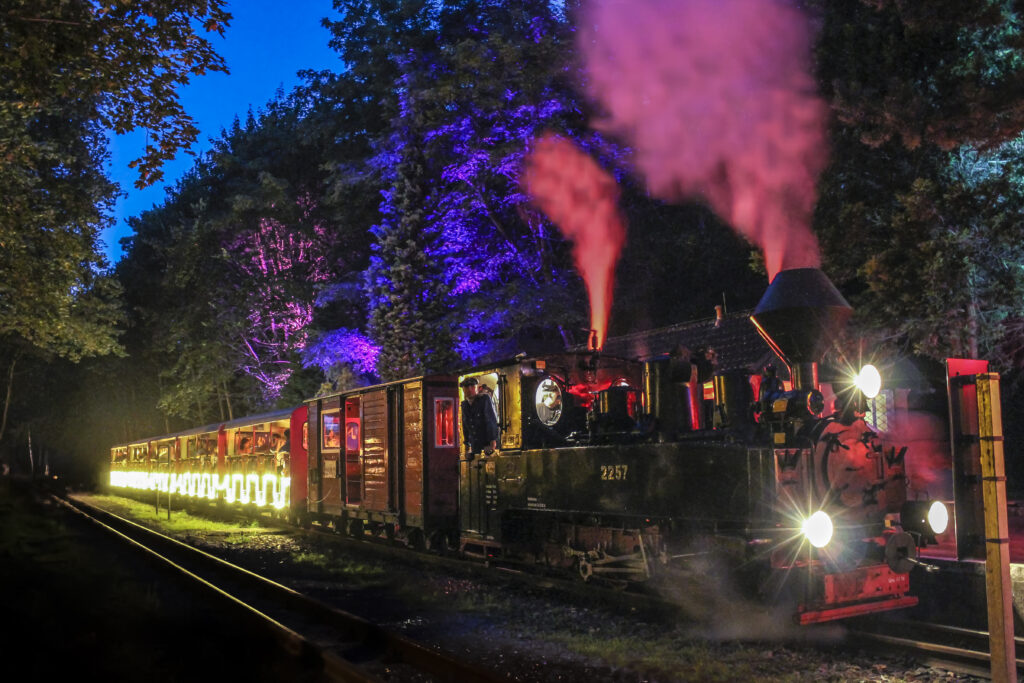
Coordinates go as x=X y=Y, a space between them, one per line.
x=476 y=479
x=353 y=451
x=478 y=488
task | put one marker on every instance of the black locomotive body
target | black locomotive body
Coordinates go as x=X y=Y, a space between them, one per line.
x=621 y=470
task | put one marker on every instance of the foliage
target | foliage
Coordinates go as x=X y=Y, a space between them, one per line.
x=224 y=275
x=122 y=60
x=942 y=73
x=917 y=221
x=952 y=278
x=406 y=297
x=72 y=72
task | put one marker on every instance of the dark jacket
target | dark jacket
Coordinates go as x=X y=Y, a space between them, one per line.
x=479 y=423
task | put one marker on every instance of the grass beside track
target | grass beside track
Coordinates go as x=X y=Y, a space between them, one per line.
x=76 y=605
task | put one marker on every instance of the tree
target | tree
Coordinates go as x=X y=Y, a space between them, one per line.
x=943 y=73
x=951 y=280
x=223 y=276
x=71 y=71
x=403 y=283
x=916 y=217
x=119 y=63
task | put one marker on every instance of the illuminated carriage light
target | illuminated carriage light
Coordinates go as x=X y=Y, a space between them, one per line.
x=938 y=517
x=817 y=529
x=236 y=488
x=270 y=490
x=869 y=381
x=252 y=484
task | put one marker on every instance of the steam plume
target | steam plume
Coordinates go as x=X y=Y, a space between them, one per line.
x=582 y=200
x=716 y=99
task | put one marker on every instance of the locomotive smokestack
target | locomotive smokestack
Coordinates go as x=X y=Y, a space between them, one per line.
x=799 y=315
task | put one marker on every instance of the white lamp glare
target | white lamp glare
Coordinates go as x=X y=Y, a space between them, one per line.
x=869 y=381
x=818 y=529
x=938 y=517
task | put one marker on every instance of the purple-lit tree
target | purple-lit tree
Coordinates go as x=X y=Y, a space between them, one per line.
x=486 y=78
x=498 y=248
x=223 y=276
x=404 y=284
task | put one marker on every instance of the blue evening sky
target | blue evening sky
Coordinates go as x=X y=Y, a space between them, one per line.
x=267 y=42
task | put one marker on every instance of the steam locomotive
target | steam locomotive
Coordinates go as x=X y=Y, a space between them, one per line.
x=614 y=469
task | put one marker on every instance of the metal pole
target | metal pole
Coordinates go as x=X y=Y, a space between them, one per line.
x=998 y=588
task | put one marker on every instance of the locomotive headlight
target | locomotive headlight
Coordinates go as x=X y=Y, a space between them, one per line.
x=817 y=529
x=869 y=381
x=926 y=518
x=938 y=517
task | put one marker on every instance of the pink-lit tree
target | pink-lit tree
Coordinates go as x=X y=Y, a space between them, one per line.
x=277 y=267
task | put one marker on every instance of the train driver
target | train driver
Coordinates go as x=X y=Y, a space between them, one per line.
x=479 y=421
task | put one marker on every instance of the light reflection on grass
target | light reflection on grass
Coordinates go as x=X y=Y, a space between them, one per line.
x=357 y=573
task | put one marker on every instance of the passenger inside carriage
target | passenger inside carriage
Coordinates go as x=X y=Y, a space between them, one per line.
x=279 y=447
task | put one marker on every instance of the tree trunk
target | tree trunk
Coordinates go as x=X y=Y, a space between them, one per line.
x=160 y=388
x=972 y=317
x=227 y=400
x=7 y=397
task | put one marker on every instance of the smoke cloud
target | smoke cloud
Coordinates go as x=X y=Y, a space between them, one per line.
x=929 y=462
x=582 y=200
x=716 y=99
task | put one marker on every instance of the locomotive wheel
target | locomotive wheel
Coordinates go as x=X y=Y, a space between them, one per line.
x=585 y=569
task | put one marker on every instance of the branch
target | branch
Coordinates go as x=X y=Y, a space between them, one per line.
x=37 y=20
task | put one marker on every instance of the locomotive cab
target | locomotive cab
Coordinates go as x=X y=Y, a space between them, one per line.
x=563 y=399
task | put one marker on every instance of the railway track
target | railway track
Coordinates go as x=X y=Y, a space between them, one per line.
x=346 y=647
x=956 y=649
x=950 y=648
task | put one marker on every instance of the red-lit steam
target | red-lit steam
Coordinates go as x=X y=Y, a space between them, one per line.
x=929 y=462
x=716 y=99
x=582 y=200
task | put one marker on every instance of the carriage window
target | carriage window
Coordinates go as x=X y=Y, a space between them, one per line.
x=332 y=430
x=353 y=452
x=444 y=422
x=353 y=427
x=243 y=442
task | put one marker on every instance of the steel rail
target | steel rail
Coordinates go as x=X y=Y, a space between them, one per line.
x=356 y=632
x=974 y=660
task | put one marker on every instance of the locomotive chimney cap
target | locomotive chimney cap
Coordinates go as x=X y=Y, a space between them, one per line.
x=800 y=314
